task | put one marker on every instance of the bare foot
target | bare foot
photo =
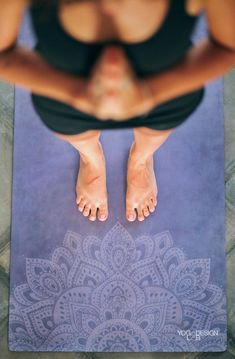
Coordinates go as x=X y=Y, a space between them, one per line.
x=91 y=187
x=141 y=197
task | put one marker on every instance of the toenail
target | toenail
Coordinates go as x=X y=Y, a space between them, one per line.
x=131 y=216
x=103 y=218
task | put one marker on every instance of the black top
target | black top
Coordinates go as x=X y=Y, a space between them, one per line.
x=163 y=49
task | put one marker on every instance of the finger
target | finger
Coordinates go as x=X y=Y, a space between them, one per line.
x=113 y=54
x=108 y=59
x=115 y=57
x=114 y=61
x=102 y=81
x=111 y=71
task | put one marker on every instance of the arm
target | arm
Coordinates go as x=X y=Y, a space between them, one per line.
x=26 y=68
x=132 y=96
x=209 y=59
x=206 y=61
x=29 y=70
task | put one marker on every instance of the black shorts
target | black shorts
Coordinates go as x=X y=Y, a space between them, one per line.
x=67 y=120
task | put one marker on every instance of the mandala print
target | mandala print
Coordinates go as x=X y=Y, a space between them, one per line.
x=117 y=294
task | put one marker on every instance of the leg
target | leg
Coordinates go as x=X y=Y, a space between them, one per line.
x=91 y=182
x=141 y=194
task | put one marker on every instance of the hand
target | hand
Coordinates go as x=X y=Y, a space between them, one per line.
x=117 y=92
x=113 y=91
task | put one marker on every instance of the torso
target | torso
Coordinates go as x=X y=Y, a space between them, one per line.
x=119 y=22
x=154 y=35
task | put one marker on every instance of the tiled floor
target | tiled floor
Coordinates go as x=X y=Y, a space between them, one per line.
x=6 y=137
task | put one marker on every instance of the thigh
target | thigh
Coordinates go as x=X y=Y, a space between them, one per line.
x=86 y=135
x=151 y=133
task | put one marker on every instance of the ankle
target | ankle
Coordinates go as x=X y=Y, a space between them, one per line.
x=139 y=156
x=94 y=157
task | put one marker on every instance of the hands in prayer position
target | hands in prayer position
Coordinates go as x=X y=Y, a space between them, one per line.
x=113 y=91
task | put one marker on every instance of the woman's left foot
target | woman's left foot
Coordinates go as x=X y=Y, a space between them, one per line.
x=141 y=197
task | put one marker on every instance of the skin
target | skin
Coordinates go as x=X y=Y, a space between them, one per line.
x=209 y=59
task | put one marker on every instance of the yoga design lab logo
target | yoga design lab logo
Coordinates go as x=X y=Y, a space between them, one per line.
x=197 y=334
x=116 y=294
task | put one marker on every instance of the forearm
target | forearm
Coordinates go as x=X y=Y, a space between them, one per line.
x=29 y=70
x=204 y=62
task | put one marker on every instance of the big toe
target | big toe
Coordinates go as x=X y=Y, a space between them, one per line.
x=130 y=214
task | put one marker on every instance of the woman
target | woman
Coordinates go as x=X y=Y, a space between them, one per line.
x=102 y=64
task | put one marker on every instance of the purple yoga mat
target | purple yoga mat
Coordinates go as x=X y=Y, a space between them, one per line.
x=154 y=286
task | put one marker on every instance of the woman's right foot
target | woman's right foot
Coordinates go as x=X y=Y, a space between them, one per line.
x=91 y=187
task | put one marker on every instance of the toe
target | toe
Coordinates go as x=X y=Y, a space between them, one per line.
x=81 y=205
x=93 y=213
x=140 y=214
x=78 y=199
x=131 y=214
x=146 y=211
x=151 y=207
x=103 y=213
x=86 y=211
x=154 y=201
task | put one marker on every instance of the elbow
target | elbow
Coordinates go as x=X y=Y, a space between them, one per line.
x=5 y=57
x=6 y=43
x=226 y=51
x=225 y=45
x=229 y=60
x=230 y=57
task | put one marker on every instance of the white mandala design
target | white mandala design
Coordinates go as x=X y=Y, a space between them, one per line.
x=116 y=294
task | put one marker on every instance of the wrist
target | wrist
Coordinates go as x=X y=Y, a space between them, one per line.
x=147 y=99
x=75 y=89
x=78 y=95
x=148 y=93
